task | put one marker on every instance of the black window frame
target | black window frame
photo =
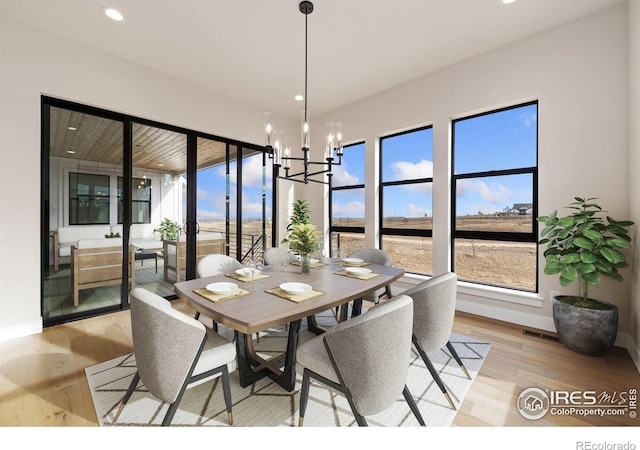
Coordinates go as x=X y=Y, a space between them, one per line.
x=427 y=233
x=342 y=228
x=528 y=237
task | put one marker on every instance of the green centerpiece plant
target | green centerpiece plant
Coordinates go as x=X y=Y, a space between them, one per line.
x=303 y=238
x=583 y=246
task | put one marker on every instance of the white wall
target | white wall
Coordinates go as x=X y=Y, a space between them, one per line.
x=579 y=75
x=36 y=63
x=634 y=168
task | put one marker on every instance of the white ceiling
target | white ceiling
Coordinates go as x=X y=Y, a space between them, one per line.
x=253 y=50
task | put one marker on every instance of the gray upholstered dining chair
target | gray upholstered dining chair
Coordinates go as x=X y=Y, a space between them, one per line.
x=172 y=351
x=375 y=256
x=434 y=304
x=275 y=255
x=217 y=264
x=211 y=265
x=365 y=358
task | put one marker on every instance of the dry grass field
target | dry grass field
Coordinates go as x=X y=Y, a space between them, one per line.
x=500 y=263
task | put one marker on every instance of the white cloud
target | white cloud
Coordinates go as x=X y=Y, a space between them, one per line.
x=404 y=170
x=351 y=209
x=341 y=177
x=529 y=118
x=418 y=211
x=495 y=193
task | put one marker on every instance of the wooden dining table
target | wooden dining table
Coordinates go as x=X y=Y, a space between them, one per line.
x=260 y=310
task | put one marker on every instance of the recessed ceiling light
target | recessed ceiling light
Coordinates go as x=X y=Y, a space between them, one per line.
x=506 y=2
x=71 y=152
x=113 y=13
x=299 y=97
x=161 y=165
x=72 y=128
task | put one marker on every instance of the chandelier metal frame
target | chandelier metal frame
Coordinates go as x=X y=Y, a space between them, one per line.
x=280 y=151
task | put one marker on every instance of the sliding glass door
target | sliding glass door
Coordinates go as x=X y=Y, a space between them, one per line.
x=83 y=251
x=129 y=202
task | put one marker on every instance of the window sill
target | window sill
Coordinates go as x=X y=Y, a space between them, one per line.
x=471 y=290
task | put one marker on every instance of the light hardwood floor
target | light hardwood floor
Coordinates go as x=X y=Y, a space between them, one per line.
x=42 y=380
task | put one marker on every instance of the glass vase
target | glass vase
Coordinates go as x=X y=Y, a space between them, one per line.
x=304 y=263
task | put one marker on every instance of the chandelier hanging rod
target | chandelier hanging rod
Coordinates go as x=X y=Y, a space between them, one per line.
x=280 y=151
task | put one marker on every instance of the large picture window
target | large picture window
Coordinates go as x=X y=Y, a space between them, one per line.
x=347 y=201
x=494 y=198
x=406 y=207
x=88 y=199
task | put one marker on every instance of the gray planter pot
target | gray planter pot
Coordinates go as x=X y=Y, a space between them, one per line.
x=588 y=331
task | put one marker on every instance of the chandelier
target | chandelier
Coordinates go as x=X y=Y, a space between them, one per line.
x=279 y=149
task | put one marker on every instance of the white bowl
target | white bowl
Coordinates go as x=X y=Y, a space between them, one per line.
x=295 y=288
x=357 y=270
x=353 y=260
x=244 y=272
x=223 y=287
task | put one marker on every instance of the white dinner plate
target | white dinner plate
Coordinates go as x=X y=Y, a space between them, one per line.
x=358 y=270
x=295 y=288
x=247 y=273
x=353 y=260
x=223 y=287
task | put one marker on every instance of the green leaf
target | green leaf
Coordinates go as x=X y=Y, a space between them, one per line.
x=584 y=243
x=613 y=256
x=591 y=278
x=588 y=257
x=617 y=242
x=603 y=265
x=570 y=258
x=614 y=274
x=566 y=222
x=565 y=281
x=569 y=273
x=592 y=235
x=586 y=268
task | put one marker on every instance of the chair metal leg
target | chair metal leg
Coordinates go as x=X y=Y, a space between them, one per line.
x=304 y=396
x=226 y=389
x=457 y=358
x=434 y=373
x=127 y=396
x=412 y=404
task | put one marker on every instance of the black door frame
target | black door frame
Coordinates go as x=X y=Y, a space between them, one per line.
x=127 y=120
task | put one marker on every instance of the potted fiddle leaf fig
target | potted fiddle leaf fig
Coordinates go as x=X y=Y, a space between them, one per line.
x=583 y=247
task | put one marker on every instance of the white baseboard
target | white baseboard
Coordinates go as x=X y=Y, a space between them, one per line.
x=24 y=329
x=506 y=315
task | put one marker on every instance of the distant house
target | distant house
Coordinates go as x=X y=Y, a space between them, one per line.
x=522 y=209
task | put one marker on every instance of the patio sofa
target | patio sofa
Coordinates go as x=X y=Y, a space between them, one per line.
x=174 y=252
x=97 y=263
x=140 y=235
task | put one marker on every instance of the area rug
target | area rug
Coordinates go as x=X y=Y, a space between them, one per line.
x=266 y=404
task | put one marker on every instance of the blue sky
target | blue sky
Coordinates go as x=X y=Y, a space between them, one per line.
x=502 y=140
x=212 y=187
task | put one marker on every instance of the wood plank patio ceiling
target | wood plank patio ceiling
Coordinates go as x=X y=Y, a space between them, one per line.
x=99 y=140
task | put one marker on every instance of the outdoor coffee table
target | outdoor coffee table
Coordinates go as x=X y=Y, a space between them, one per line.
x=142 y=254
x=260 y=310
